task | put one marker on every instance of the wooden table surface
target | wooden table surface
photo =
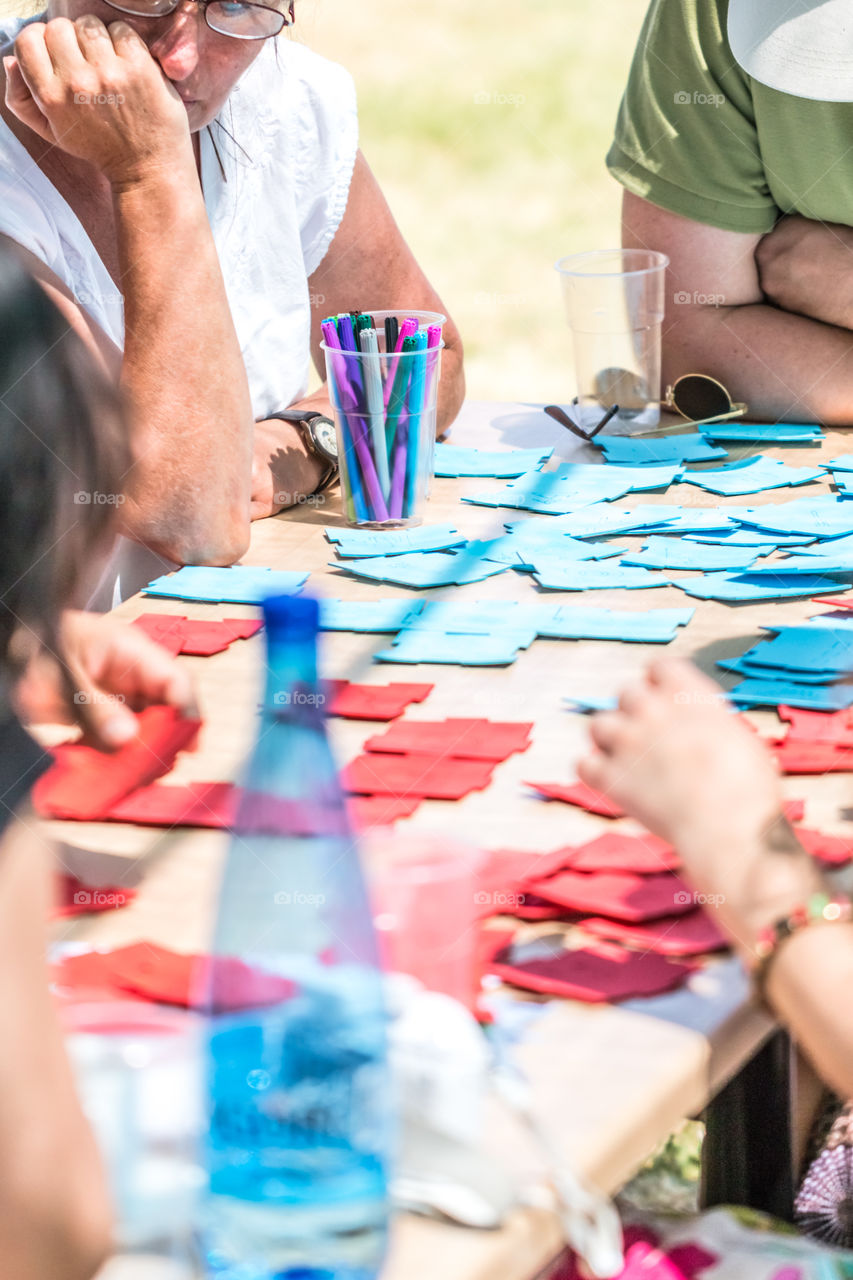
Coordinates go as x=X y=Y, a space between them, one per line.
x=612 y=1081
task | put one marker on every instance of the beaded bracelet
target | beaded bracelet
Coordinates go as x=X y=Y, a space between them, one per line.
x=821 y=908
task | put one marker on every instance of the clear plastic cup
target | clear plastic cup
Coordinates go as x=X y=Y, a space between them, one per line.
x=138 y=1074
x=424 y=891
x=384 y=405
x=614 y=300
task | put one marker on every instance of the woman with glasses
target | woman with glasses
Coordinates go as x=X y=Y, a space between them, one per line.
x=188 y=189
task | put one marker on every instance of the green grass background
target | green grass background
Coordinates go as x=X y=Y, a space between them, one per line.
x=491 y=192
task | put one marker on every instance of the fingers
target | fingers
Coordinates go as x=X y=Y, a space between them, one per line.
x=143 y=673
x=21 y=102
x=592 y=770
x=94 y=39
x=127 y=43
x=63 y=47
x=32 y=56
x=606 y=730
x=106 y=721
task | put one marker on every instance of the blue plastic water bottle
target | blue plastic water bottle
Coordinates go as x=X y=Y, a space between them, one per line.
x=300 y=1126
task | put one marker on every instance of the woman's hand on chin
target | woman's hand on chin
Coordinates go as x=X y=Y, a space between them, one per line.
x=98 y=94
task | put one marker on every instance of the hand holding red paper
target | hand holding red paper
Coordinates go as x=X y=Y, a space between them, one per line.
x=677 y=760
x=114 y=669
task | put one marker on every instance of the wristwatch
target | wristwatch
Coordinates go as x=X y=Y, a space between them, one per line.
x=318 y=432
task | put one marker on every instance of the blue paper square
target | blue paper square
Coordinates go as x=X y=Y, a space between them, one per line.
x=239 y=584
x=675 y=553
x=734 y=589
x=367 y=616
x=651 y=626
x=764 y=432
x=354 y=543
x=454 y=650
x=643 y=451
x=451 y=460
x=423 y=569
x=774 y=693
x=752 y=475
x=583 y=575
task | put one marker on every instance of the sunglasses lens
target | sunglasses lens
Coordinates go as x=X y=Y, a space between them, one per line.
x=698 y=397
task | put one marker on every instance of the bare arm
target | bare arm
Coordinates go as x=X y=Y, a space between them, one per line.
x=54 y=1210
x=188 y=492
x=718 y=321
x=370 y=266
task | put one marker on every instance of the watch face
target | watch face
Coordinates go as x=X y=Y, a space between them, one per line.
x=323 y=430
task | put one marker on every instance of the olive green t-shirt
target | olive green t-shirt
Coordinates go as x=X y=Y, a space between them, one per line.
x=697 y=136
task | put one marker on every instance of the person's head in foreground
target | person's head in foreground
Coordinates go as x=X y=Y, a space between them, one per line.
x=63 y=457
x=732 y=145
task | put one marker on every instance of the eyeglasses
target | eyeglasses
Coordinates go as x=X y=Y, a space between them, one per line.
x=239 y=19
x=559 y=415
x=702 y=400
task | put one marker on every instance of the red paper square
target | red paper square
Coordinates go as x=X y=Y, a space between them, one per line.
x=378 y=811
x=644 y=855
x=832 y=851
x=465 y=739
x=416 y=775
x=594 y=974
x=85 y=784
x=166 y=629
x=198 y=804
x=795 y=756
x=620 y=896
x=579 y=794
x=818 y=726
x=374 y=701
x=73 y=898
x=693 y=934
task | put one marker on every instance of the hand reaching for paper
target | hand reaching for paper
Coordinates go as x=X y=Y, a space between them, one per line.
x=114 y=670
x=806 y=267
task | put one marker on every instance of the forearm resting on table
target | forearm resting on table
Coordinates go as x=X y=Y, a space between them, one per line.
x=188 y=493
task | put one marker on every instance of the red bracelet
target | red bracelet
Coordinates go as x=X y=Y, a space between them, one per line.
x=821 y=908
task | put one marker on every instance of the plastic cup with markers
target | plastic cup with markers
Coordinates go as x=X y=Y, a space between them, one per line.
x=383 y=369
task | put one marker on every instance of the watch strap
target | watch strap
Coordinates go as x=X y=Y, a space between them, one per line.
x=303 y=418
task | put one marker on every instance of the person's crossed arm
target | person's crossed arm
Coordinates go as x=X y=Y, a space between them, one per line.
x=769 y=316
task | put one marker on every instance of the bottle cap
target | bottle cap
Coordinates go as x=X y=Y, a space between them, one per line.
x=292 y=618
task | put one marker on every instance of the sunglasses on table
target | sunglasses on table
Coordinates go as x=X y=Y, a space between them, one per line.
x=240 y=19
x=697 y=397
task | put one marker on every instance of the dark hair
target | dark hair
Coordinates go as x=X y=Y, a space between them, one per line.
x=63 y=453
